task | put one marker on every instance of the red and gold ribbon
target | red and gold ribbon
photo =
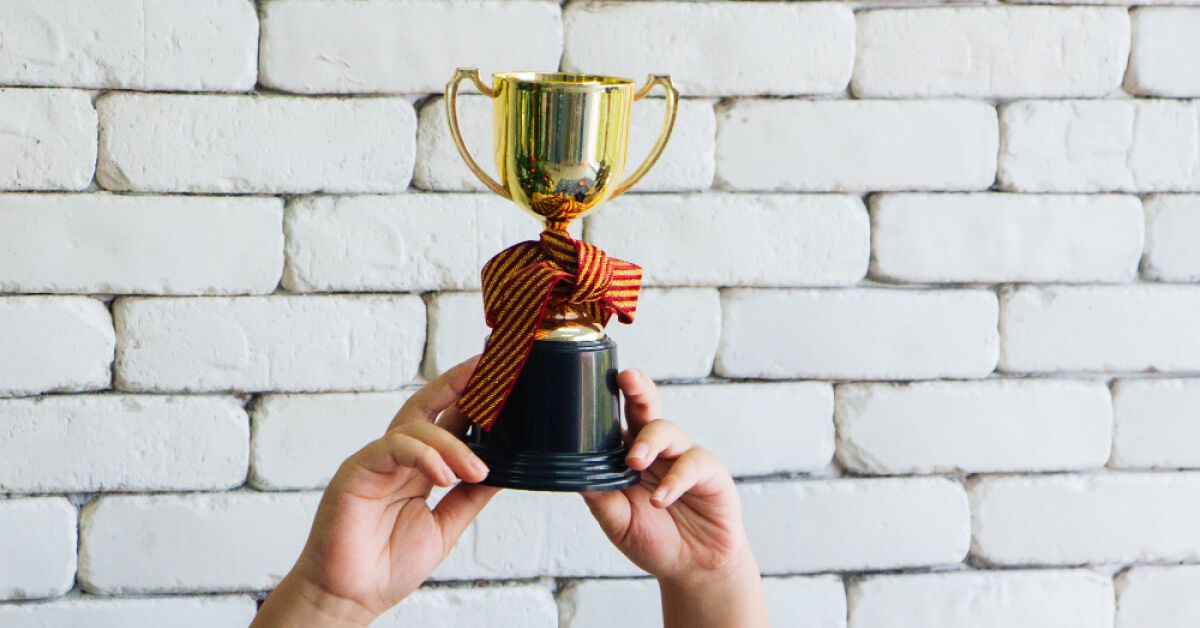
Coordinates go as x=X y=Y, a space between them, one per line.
x=520 y=285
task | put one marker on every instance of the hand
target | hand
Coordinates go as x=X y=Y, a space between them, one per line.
x=682 y=522
x=375 y=539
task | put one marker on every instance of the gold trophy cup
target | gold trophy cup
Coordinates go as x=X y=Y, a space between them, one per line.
x=543 y=399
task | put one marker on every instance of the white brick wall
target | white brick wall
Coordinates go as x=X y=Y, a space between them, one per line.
x=410 y=46
x=1035 y=599
x=833 y=146
x=857 y=334
x=1172 y=229
x=1158 y=596
x=37 y=541
x=991 y=52
x=924 y=276
x=254 y=144
x=993 y=238
x=161 y=45
x=1164 y=40
x=168 y=244
x=813 y=526
x=1099 y=146
x=78 y=443
x=973 y=426
x=262 y=343
x=49 y=139
x=52 y=344
x=796 y=602
x=1086 y=519
x=1117 y=328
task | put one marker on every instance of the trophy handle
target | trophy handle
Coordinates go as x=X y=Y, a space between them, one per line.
x=663 y=135
x=460 y=75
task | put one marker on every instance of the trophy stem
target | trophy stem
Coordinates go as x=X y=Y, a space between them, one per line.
x=560 y=429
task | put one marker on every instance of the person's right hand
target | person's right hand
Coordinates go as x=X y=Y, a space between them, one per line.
x=682 y=522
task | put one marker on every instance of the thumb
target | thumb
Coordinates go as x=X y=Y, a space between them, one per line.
x=612 y=511
x=458 y=509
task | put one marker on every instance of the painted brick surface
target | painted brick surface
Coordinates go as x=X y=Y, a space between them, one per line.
x=83 y=443
x=521 y=605
x=990 y=52
x=217 y=611
x=139 y=244
x=47 y=139
x=1172 y=228
x=1158 y=596
x=37 y=540
x=54 y=344
x=1156 y=423
x=1164 y=38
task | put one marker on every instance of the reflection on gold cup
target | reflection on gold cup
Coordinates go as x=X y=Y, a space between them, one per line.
x=560 y=139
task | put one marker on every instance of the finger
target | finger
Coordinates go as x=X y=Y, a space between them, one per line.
x=454 y=421
x=612 y=511
x=437 y=395
x=453 y=451
x=458 y=509
x=694 y=468
x=641 y=399
x=658 y=439
x=397 y=450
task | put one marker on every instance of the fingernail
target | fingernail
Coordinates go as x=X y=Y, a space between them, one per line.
x=639 y=451
x=478 y=466
x=660 y=495
x=446 y=474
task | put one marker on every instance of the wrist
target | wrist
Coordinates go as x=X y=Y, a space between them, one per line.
x=297 y=601
x=739 y=569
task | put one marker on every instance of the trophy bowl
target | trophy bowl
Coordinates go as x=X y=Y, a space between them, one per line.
x=544 y=400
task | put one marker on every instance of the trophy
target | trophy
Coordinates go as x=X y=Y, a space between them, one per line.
x=543 y=400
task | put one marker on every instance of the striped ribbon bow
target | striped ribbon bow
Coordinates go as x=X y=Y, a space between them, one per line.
x=520 y=285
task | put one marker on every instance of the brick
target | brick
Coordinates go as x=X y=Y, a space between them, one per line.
x=279 y=343
x=982 y=599
x=131 y=44
x=254 y=144
x=737 y=240
x=220 y=611
x=686 y=164
x=840 y=146
x=675 y=335
x=37 y=541
x=1099 y=328
x=200 y=542
x=797 y=602
x=524 y=534
x=991 y=52
x=105 y=243
x=940 y=427
x=1172 y=230
x=457 y=330
x=523 y=605
x=856 y=525
x=1163 y=597
x=995 y=238
x=857 y=334
x=757 y=429
x=54 y=344
x=1099 y=146
x=323 y=46
x=299 y=440
x=397 y=243
x=1086 y=519
x=1156 y=423
x=49 y=139
x=83 y=443
x=1164 y=40
x=719 y=48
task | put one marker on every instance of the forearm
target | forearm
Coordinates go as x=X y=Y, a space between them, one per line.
x=297 y=604
x=731 y=597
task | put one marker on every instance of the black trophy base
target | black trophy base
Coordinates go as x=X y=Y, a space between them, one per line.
x=560 y=429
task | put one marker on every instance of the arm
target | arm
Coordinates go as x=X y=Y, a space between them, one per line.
x=682 y=523
x=374 y=538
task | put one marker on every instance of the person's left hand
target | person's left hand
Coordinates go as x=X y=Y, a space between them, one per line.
x=375 y=539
